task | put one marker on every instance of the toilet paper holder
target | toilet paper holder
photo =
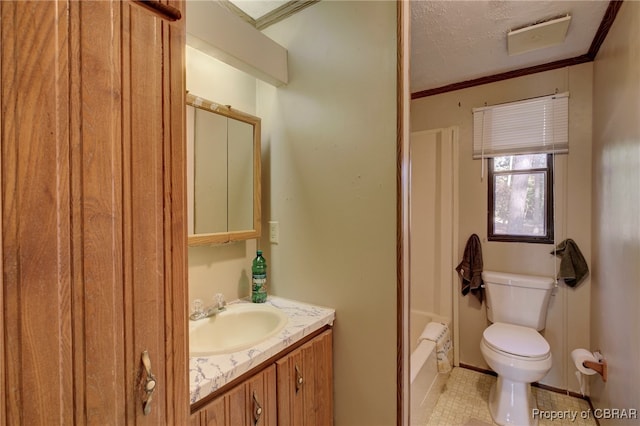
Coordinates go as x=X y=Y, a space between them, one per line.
x=599 y=367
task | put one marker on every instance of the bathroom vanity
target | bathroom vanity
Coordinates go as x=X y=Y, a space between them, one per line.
x=286 y=379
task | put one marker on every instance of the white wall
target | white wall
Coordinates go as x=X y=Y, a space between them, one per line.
x=329 y=152
x=568 y=316
x=216 y=81
x=225 y=268
x=615 y=317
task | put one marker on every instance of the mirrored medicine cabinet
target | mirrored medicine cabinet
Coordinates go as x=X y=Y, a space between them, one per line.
x=223 y=173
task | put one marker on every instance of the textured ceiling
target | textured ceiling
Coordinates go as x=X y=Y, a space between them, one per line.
x=456 y=41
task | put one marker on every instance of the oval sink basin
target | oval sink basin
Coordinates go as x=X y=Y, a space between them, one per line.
x=238 y=327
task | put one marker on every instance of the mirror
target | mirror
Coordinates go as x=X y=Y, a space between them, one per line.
x=223 y=173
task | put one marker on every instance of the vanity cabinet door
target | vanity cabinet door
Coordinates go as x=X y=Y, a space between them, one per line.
x=225 y=410
x=213 y=414
x=251 y=403
x=236 y=408
x=194 y=419
x=262 y=400
x=305 y=384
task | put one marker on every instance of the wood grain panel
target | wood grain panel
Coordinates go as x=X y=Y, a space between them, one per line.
x=35 y=213
x=100 y=172
x=235 y=406
x=310 y=403
x=175 y=222
x=290 y=402
x=93 y=231
x=323 y=350
x=143 y=200
x=214 y=413
x=194 y=419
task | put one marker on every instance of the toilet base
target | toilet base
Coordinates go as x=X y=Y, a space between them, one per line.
x=512 y=403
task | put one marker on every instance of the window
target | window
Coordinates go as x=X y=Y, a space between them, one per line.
x=519 y=139
x=521 y=198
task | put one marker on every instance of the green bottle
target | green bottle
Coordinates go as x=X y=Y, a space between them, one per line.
x=259 y=279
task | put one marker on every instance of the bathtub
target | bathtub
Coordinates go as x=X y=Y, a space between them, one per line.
x=426 y=383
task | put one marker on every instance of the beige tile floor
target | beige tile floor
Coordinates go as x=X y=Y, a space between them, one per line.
x=464 y=402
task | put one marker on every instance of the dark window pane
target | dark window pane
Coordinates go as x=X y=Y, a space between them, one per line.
x=521 y=198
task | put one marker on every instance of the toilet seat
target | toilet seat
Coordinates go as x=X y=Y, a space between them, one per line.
x=516 y=341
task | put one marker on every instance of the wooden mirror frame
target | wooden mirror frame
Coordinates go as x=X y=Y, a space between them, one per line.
x=245 y=234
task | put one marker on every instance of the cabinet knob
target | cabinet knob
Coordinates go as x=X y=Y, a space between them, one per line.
x=299 y=379
x=150 y=386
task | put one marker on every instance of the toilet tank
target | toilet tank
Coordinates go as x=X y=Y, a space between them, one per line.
x=517 y=299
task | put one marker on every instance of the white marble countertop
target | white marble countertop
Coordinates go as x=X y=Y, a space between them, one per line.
x=209 y=373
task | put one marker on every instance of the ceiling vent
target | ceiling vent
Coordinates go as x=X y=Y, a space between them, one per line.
x=537 y=36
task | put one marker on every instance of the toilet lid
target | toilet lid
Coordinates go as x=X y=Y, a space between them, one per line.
x=516 y=340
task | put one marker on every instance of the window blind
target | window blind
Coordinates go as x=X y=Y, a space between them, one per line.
x=532 y=126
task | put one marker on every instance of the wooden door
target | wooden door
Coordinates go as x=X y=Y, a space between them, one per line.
x=93 y=230
x=305 y=384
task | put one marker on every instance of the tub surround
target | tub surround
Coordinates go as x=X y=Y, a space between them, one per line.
x=426 y=378
x=209 y=373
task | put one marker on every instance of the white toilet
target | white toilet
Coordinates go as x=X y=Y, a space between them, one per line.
x=513 y=348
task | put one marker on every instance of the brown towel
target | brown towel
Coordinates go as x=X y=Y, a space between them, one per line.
x=470 y=269
x=573 y=267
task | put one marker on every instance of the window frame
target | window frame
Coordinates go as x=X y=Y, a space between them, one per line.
x=548 y=238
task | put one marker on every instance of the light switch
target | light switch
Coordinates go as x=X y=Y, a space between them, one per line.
x=274 y=232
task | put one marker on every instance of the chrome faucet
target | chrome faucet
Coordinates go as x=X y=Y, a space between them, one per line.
x=198 y=312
